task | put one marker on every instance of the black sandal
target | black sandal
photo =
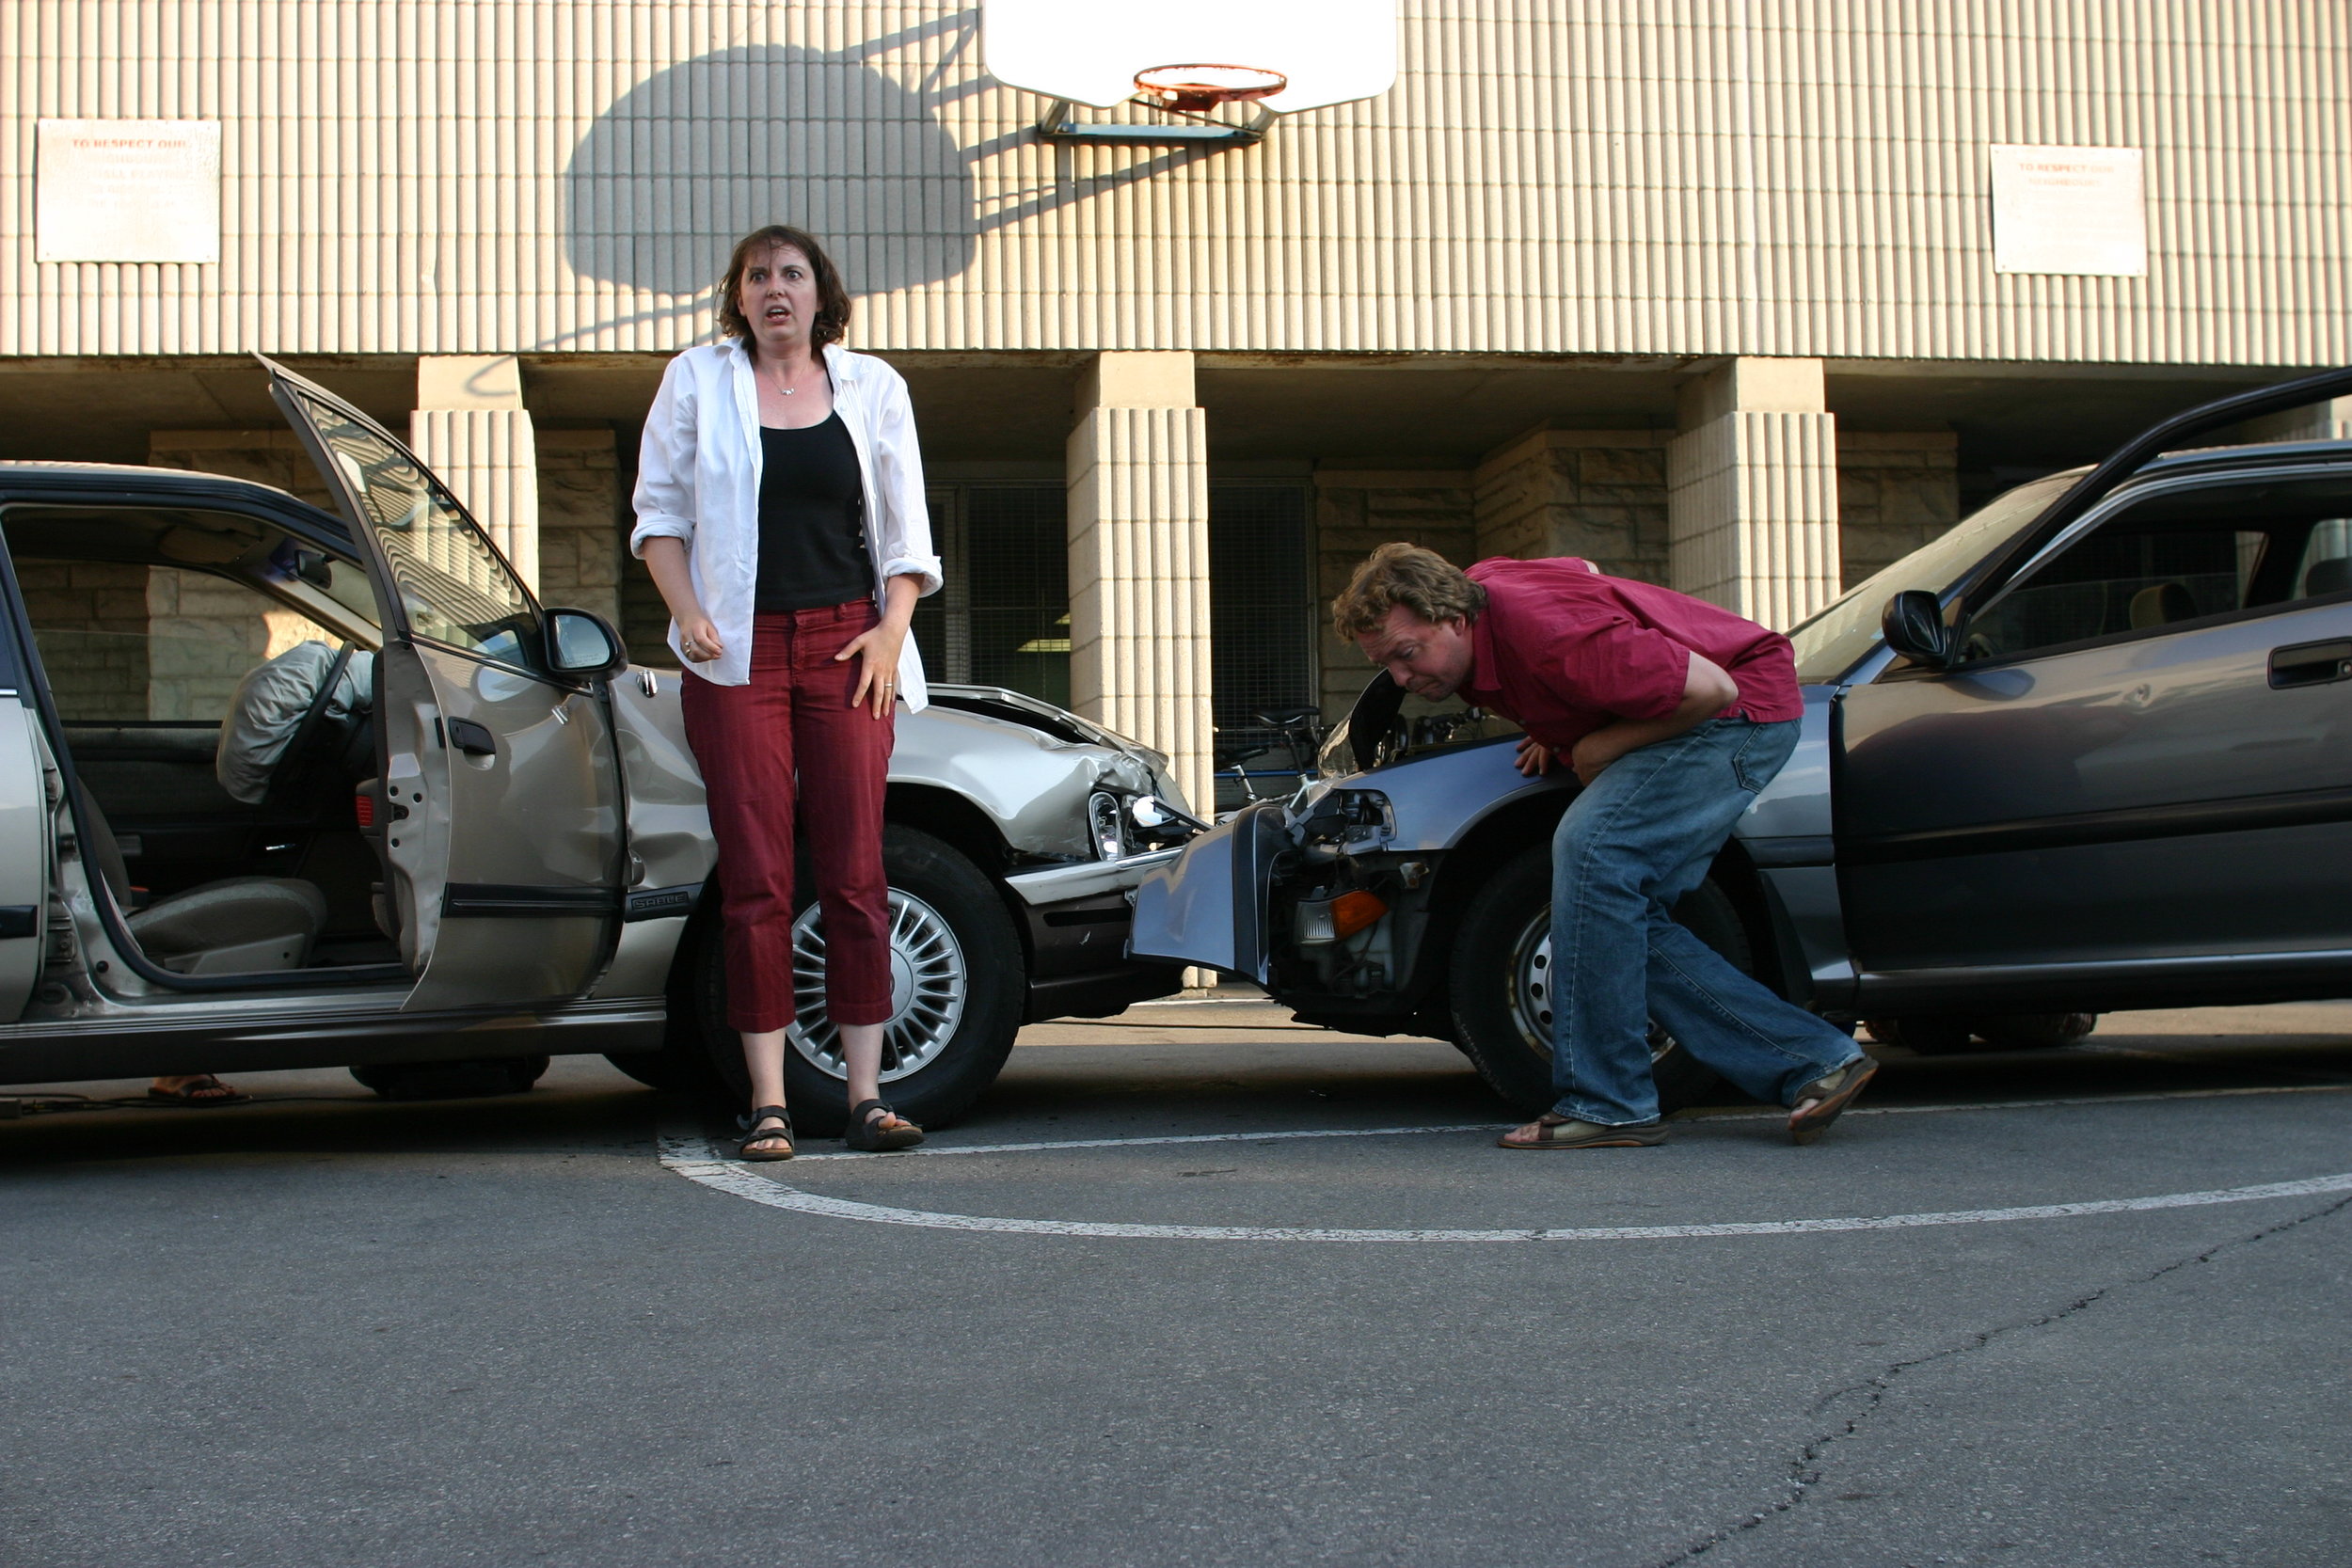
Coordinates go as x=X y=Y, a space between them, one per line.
x=756 y=1133
x=864 y=1133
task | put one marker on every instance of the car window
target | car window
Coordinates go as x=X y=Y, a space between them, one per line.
x=1837 y=637
x=2177 y=558
x=455 y=588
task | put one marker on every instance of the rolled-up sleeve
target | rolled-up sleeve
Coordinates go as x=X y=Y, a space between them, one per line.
x=906 y=533
x=664 y=498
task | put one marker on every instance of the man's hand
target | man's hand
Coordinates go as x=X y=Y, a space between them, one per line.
x=1597 y=750
x=1535 y=759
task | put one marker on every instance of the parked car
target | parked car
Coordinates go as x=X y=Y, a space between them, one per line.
x=2089 y=749
x=282 y=788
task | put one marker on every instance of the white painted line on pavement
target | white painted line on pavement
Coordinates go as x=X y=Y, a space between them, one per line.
x=933 y=1151
x=695 y=1158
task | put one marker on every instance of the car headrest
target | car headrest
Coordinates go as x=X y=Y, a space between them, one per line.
x=2162 y=604
x=2332 y=575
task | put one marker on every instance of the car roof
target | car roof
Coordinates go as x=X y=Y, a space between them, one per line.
x=138 y=475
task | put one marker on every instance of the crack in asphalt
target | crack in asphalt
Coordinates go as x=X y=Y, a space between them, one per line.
x=1806 y=1471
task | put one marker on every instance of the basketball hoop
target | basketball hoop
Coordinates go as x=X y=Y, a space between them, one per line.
x=1195 y=87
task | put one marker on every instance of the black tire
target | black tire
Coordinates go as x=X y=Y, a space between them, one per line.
x=1511 y=1049
x=706 y=1053
x=1929 y=1034
x=2034 y=1031
x=467 y=1080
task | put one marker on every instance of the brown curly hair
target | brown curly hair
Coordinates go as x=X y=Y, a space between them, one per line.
x=832 y=300
x=1421 y=581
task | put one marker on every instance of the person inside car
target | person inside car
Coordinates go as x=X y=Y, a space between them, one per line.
x=790 y=601
x=1673 y=714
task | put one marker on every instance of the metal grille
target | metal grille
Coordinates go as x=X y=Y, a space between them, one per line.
x=1262 y=615
x=1003 y=618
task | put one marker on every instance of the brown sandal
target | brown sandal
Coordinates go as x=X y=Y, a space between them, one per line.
x=1554 y=1130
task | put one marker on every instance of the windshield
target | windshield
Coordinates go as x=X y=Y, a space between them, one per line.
x=1835 y=640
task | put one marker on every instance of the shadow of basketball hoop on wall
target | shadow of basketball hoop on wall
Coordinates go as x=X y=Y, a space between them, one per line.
x=699 y=154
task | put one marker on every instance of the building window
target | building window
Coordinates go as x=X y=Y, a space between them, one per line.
x=1262 y=615
x=1002 y=617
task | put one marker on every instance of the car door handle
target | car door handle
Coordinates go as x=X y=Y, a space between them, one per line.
x=2311 y=663
x=473 y=739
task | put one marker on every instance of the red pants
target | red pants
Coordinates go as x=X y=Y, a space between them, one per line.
x=750 y=741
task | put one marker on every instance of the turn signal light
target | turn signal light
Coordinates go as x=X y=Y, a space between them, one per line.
x=1352 y=912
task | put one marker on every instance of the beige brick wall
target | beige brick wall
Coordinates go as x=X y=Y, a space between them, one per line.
x=89 y=619
x=1355 y=512
x=1599 y=493
x=264 y=456
x=204 y=633
x=1894 y=493
x=580 y=540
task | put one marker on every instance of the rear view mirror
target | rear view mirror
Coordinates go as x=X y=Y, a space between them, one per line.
x=1913 y=628
x=582 y=645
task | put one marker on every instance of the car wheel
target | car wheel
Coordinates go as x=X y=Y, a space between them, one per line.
x=1501 y=989
x=957 y=980
x=1929 y=1034
x=452 y=1080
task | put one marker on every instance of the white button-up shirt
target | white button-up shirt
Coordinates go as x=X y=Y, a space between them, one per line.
x=698 y=480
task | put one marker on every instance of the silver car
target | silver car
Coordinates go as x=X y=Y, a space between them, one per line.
x=282 y=788
x=2091 y=750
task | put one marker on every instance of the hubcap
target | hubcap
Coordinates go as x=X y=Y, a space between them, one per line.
x=927 y=987
x=1531 y=990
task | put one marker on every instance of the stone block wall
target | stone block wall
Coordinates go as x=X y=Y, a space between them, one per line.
x=204 y=634
x=266 y=456
x=580 y=540
x=1358 y=510
x=1599 y=493
x=89 y=619
x=1896 y=491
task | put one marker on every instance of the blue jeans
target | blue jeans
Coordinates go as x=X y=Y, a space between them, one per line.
x=1640 y=837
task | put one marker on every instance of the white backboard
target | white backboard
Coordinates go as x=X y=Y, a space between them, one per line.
x=127 y=190
x=1090 y=50
x=2076 y=210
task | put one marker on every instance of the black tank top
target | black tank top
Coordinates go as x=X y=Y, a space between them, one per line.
x=812 y=520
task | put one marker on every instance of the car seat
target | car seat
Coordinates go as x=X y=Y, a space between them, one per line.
x=237 y=926
x=2331 y=576
x=2162 y=604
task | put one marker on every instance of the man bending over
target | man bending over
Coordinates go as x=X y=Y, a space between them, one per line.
x=1673 y=714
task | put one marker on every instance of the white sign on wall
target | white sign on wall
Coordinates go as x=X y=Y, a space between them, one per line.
x=2080 y=210
x=127 y=190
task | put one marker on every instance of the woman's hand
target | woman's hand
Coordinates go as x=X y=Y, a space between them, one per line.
x=1535 y=759
x=878 y=678
x=698 y=640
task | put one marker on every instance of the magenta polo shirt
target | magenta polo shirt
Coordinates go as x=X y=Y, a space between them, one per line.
x=1563 y=649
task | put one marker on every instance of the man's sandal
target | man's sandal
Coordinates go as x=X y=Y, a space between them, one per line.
x=1554 y=1130
x=865 y=1131
x=1819 y=1102
x=755 y=1135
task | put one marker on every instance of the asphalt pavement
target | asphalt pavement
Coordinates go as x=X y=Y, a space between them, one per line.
x=1197 y=1285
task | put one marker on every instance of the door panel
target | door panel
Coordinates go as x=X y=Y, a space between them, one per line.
x=25 y=855
x=505 y=842
x=2134 y=793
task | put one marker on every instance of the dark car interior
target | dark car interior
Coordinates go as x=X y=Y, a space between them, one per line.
x=2187 y=556
x=212 y=675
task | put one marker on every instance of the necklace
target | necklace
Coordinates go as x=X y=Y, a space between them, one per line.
x=787 y=391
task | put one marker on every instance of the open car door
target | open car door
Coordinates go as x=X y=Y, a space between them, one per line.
x=504 y=846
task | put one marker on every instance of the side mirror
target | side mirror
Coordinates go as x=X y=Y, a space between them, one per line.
x=1913 y=628
x=580 y=645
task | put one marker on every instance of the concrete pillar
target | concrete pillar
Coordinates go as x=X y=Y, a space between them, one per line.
x=1139 y=560
x=470 y=428
x=2329 y=421
x=1752 y=491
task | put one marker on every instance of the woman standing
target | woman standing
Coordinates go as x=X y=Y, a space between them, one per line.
x=780 y=509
